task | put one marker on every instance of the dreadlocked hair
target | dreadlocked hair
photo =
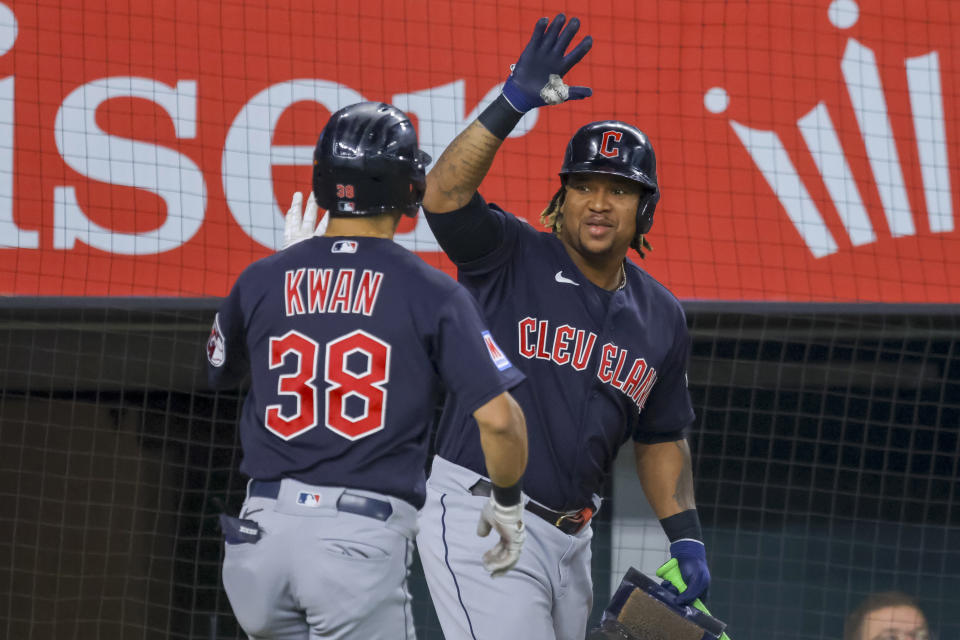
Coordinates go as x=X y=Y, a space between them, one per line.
x=639 y=244
x=552 y=218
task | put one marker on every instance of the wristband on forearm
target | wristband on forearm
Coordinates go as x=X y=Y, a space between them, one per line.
x=507 y=496
x=500 y=117
x=683 y=525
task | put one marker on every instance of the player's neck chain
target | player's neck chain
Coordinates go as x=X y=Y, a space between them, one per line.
x=623 y=278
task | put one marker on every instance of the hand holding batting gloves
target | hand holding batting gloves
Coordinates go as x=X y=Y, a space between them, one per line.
x=536 y=77
x=508 y=523
x=692 y=560
x=297 y=227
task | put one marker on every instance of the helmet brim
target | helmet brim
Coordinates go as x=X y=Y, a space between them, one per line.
x=633 y=176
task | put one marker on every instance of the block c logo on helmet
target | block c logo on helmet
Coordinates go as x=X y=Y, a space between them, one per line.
x=609 y=137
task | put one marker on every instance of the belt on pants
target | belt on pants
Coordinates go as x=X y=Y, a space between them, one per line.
x=347 y=502
x=570 y=522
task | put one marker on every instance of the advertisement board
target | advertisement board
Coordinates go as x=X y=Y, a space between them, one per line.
x=807 y=151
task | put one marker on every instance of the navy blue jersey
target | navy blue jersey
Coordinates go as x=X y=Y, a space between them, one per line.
x=602 y=366
x=350 y=343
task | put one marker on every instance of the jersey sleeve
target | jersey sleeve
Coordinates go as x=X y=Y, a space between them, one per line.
x=469 y=361
x=227 y=358
x=476 y=237
x=668 y=413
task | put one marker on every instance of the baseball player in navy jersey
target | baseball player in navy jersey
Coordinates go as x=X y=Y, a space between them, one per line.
x=604 y=347
x=349 y=340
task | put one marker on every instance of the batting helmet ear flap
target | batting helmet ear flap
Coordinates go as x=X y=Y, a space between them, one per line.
x=648 y=203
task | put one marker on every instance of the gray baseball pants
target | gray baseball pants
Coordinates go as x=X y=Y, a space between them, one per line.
x=320 y=572
x=547 y=596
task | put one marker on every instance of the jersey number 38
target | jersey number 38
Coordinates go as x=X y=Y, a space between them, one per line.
x=356 y=370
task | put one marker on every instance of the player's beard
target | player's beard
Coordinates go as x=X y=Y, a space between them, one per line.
x=596 y=243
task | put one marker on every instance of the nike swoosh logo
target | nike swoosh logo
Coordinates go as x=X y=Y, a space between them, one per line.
x=250 y=512
x=564 y=280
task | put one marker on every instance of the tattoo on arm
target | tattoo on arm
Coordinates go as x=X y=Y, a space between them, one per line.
x=464 y=164
x=683 y=492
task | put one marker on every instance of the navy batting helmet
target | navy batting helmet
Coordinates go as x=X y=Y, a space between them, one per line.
x=617 y=148
x=367 y=162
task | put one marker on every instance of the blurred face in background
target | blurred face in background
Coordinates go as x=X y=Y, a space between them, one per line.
x=894 y=623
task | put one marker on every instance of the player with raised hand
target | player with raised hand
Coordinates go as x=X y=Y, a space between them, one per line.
x=297 y=227
x=604 y=347
x=349 y=341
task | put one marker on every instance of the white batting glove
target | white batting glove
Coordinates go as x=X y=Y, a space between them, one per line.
x=297 y=227
x=509 y=524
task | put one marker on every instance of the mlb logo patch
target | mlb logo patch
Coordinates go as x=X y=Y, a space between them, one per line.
x=311 y=500
x=215 y=344
x=344 y=246
x=346 y=207
x=499 y=358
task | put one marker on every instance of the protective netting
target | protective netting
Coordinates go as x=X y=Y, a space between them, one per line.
x=826 y=457
x=805 y=149
x=806 y=156
x=827 y=462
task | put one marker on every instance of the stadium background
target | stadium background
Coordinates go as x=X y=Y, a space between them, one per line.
x=808 y=162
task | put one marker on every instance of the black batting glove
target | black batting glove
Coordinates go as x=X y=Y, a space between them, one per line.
x=536 y=79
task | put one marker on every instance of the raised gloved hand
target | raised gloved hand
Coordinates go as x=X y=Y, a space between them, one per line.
x=536 y=78
x=297 y=227
x=691 y=559
x=509 y=524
